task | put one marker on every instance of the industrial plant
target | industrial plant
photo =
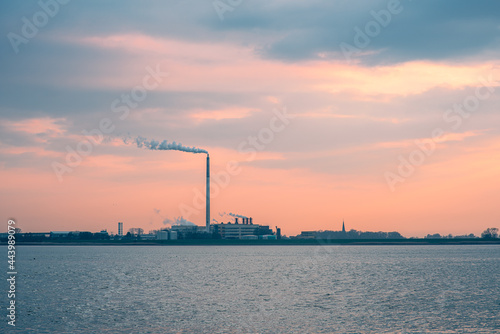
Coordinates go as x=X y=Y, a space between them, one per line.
x=245 y=229
x=240 y=228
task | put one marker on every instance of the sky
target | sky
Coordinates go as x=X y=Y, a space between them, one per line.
x=383 y=114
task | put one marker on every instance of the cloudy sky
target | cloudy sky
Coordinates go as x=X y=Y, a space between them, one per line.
x=382 y=113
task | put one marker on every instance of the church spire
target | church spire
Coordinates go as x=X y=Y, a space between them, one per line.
x=343 y=226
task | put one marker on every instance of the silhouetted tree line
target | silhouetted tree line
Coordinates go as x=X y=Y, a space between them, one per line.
x=38 y=237
x=353 y=234
x=449 y=236
x=489 y=233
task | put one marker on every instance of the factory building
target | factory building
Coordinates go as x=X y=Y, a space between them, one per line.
x=148 y=236
x=166 y=235
x=244 y=230
x=234 y=231
x=186 y=231
x=162 y=235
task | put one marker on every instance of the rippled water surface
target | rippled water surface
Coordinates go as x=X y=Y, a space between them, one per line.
x=259 y=289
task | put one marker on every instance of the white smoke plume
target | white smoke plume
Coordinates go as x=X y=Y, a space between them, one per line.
x=178 y=221
x=226 y=215
x=236 y=215
x=142 y=142
x=182 y=221
x=175 y=221
x=168 y=221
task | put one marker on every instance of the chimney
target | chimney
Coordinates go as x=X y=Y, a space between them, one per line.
x=251 y=223
x=208 y=195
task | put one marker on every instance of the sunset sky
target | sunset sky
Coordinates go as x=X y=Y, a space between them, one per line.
x=381 y=113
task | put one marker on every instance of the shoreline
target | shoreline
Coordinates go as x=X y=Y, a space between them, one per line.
x=237 y=242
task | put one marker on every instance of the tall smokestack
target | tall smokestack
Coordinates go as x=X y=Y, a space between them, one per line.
x=164 y=145
x=208 y=195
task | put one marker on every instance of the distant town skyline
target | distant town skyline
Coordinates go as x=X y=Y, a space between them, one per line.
x=313 y=112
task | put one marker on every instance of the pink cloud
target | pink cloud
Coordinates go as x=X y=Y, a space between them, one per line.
x=50 y=126
x=231 y=68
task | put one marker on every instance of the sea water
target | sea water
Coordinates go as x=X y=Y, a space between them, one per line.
x=256 y=289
